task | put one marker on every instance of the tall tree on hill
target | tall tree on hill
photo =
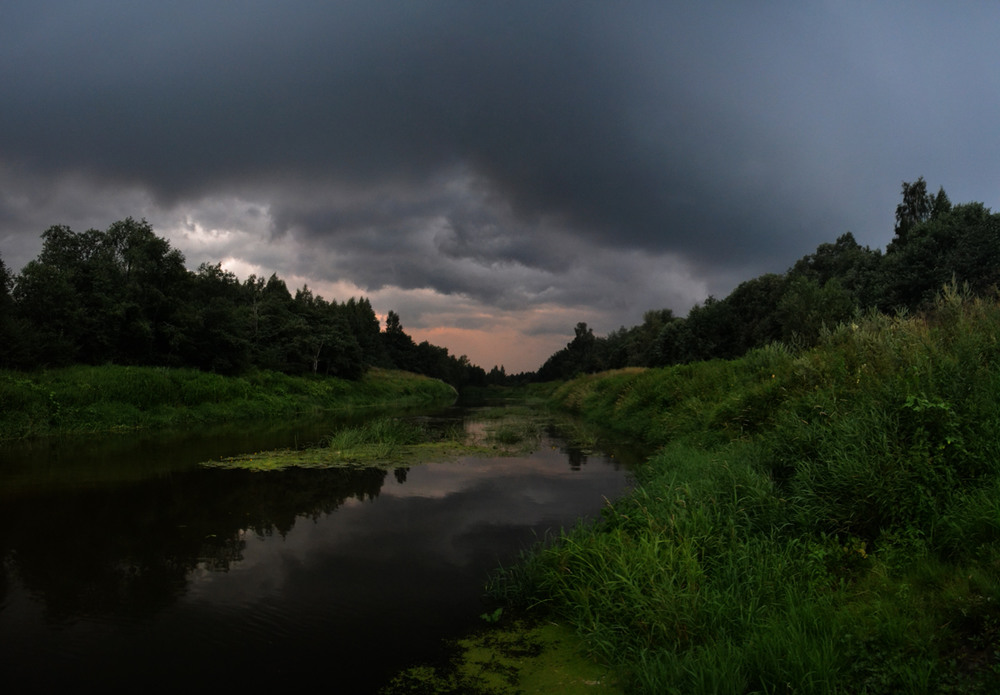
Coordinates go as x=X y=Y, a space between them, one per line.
x=101 y=297
x=64 y=309
x=753 y=311
x=277 y=327
x=582 y=355
x=807 y=306
x=916 y=207
x=942 y=203
x=961 y=244
x=399 y=347
x=709 y=331
x=365 y=326
x=637 y=346
x=214 y=331
x=151 y=279
x=326 y=341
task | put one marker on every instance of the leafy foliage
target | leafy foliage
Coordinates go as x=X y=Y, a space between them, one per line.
x=123 y=296
x=935 y=243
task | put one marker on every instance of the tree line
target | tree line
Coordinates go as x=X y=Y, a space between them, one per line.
x=934 y=243
x=124 y=296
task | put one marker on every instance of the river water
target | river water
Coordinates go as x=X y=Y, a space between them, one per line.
x=127 y=566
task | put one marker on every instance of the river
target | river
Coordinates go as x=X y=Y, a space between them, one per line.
x=127 y=566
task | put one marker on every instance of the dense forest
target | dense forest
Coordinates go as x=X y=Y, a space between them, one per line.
x=934 y=244
x=124 y=296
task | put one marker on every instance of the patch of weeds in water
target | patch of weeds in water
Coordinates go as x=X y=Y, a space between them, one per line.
x=493 y=616
x=384 y=442
x=519 y=658
x=578 y=435
x=509 y=430
x=507 y=434
x=389 y=442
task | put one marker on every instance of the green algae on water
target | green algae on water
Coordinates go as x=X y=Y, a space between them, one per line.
x=522 y=658
x=389 y=442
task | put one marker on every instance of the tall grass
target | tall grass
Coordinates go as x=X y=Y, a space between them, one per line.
x=109 y=398
x=379 y=438
x=823 y=522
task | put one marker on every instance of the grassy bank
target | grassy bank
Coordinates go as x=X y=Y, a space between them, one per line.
x=825 y=522
x=112 y=398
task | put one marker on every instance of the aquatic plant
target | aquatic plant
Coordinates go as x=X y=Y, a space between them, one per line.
x=389 y=441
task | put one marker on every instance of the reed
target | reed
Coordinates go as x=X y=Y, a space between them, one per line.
x=378 y=439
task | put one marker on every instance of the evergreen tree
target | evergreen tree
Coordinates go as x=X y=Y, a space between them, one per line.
x=399 y=348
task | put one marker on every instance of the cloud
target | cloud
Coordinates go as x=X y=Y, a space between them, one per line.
x=556 y=159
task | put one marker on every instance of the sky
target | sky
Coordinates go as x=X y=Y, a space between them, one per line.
x=493 y=171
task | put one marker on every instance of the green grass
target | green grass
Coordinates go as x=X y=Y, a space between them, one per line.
x=112 y=398
x=823 y=522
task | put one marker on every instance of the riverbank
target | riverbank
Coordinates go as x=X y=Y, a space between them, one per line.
x=816 y=522
x=77 y=400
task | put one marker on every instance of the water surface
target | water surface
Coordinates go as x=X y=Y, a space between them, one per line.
x=127 y=566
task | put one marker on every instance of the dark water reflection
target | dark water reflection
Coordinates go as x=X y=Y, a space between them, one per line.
x=185 y=577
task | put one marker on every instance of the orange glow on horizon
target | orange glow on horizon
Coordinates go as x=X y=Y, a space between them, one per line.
x=506 y=347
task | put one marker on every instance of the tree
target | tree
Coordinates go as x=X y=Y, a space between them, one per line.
x=582 y=355
x=858 y=269
x=916 y=207
x=675 y=344
x=399 y=348
x=709 y=331
x=326 y=340
x=9 y=335
x=212 y=324
x=808 y=306
x=636 y=346
x=49 y=303
x=961 y=244
x=6 y=283
x=941 y=205
x=753 y=309
x=496 y=376
x=365 y=327
x=278 y=326
x=101 y=297
x=151 y=280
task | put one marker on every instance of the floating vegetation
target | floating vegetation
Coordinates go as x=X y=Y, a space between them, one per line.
x=383 y=441
x=388 y=442
x=519 y=658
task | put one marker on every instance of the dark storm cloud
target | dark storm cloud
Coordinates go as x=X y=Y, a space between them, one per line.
x=596 y=113
x=611 y=155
